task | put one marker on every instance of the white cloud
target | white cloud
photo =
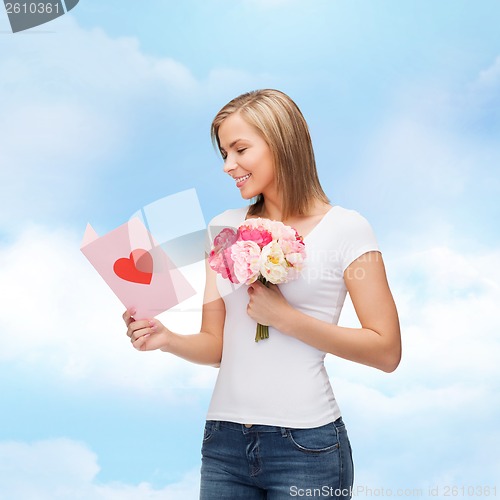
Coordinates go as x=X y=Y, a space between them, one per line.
x=415 y=165
x=76 y=62
x=446 y=302
x=44 y=147
x=490 y=77
x=431 y=163
x=442 y=392
x=62 y=469
x=412 y=437
x=406 y=426
x=66 y=106
x=74 y=103
x=69 y=102
x=449 y=306
x=61 y=319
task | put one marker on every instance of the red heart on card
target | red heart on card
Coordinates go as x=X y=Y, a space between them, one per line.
x=138 y=268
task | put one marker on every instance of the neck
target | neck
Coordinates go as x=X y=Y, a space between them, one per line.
x=274 y=211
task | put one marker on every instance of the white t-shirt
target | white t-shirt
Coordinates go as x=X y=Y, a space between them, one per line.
x=282 y=381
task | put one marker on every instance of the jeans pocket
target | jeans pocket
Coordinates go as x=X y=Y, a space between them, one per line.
x=317 y=440
x=208 y=432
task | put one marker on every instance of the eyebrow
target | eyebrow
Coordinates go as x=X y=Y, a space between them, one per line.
x=234 y=142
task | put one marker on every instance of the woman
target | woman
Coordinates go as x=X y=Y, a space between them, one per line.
x=274 y=428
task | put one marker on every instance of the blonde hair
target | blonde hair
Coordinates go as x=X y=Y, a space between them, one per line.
x=282 y=125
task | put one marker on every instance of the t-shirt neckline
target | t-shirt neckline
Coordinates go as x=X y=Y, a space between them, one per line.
x=246 y=209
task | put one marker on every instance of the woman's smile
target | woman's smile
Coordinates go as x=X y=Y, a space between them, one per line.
x=240 y=181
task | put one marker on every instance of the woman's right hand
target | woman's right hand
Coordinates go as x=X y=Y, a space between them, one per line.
x=146 y=334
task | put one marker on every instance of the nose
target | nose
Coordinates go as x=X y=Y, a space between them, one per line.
x=229 y=165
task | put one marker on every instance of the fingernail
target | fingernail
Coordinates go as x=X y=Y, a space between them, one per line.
x=151 y=322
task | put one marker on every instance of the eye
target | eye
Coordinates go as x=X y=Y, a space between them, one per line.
x=241 y=150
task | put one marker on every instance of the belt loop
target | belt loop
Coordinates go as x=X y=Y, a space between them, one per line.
x=216 y=425
x=284 y=432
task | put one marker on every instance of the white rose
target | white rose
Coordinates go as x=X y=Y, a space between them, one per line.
x=273 y=265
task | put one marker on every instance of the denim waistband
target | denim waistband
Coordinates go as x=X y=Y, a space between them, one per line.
x=247 y=428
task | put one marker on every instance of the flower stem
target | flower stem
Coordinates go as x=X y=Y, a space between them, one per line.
x=262 y=330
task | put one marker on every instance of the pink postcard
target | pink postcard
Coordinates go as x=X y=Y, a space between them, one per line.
x=136 y=268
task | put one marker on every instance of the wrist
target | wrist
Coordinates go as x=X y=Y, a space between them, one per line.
x=287 y=322
x=166 y=340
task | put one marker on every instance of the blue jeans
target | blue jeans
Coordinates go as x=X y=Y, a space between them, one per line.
x=272 y=463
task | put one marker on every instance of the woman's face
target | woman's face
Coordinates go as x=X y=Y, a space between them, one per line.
x=247 y=157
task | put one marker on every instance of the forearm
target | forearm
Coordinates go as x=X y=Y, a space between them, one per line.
x=362 y=345
x=203 y=348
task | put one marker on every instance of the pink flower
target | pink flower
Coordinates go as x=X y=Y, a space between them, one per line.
x=295 y=254
x=282 y=232
x=260 y=236
x=263 y=250
x=225 y=239
x=220 y=257
x=295 y=251
x=246 y=257
x=223 y=264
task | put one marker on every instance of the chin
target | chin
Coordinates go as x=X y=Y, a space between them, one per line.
x=248 y=195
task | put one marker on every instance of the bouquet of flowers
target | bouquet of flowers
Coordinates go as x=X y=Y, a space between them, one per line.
x=260 y=249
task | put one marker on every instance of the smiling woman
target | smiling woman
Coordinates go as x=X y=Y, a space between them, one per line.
x=273 y=421
x=278 y=129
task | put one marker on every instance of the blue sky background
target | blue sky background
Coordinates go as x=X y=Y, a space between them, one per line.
x=107 y=109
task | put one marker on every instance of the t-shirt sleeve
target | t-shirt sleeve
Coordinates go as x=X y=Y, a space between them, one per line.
x=358 y=238
x=209 y=237
x=213 y=229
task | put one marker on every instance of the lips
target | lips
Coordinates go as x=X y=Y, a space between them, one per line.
x=241 y=180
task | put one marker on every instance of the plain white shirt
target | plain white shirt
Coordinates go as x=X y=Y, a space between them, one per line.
x=282 y=381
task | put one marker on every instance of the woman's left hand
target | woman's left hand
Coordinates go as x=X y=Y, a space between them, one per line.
x=267 y=304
